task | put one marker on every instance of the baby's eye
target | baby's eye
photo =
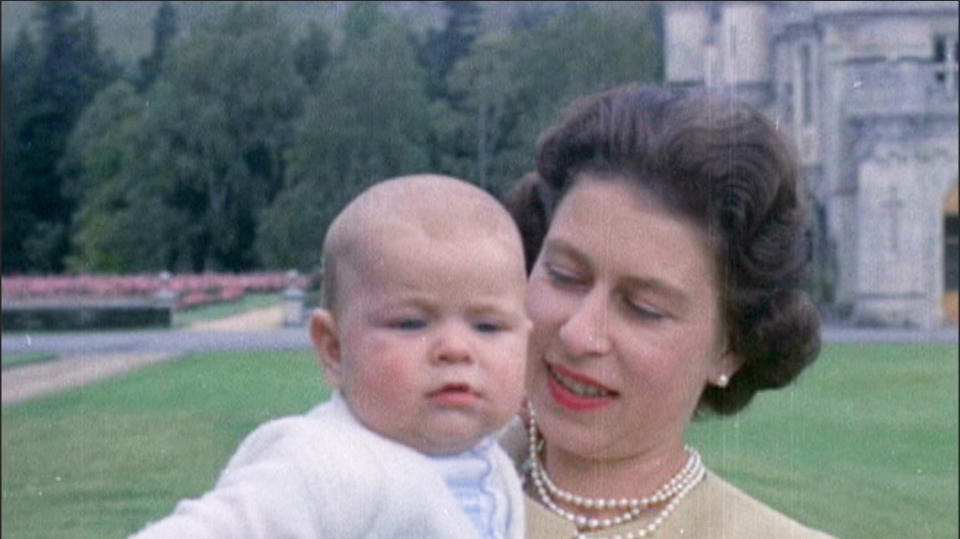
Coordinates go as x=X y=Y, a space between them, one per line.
x=408 y=324
x=488 y=327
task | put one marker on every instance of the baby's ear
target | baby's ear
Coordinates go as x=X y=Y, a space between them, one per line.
x=326 y=341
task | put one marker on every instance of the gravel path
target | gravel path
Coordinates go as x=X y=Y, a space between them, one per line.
x=77 y=370
x=36 y=379
x=258 y=319
x=95 y=356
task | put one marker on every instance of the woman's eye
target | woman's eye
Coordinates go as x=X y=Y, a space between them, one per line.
x=408 y=324
x=643 y=311
x=563 y=277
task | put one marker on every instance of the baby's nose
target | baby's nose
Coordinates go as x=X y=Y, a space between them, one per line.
x=453 y=344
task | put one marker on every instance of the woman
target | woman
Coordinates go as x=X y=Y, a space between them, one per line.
x=666 y=236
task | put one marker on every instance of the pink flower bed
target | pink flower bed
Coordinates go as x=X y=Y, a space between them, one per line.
x=190 y=289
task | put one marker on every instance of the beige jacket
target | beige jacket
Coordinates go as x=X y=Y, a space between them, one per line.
x=714 y=509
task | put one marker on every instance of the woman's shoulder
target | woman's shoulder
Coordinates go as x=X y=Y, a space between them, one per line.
x=715 y=508
x=716 y=505
x=513 y=439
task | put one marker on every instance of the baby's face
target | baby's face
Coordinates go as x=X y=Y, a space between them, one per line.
x=433 y=338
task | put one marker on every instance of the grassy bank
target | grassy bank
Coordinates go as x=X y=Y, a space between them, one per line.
x=864 y=445
x=103 y=460
x=16 y=359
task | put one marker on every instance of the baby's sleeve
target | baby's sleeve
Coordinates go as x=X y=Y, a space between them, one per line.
x=262 y=492
x=300 y=477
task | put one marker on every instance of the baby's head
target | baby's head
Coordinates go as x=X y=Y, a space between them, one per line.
x=423 y=329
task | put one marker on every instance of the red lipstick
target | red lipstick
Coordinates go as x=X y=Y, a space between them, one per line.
x=575 y=391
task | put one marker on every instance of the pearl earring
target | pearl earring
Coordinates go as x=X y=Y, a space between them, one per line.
x=723 y=380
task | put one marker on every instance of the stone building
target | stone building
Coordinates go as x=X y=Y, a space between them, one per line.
x=868 y=91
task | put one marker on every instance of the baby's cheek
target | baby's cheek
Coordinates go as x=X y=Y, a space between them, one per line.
x=394 y=372
x=385 y=393
x=512 y=372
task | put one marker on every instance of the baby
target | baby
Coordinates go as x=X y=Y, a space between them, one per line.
x=423 y=335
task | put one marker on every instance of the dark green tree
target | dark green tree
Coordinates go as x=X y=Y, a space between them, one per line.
x=165 y=29
x=442 y=48
x=200 y=153
x=449 y=146
x=312 y=54
x=19 y=69
x=367 y=122
x=68 y=72
x=361 y=21
x=131 y=215
x=513 y=86
x=530 y=16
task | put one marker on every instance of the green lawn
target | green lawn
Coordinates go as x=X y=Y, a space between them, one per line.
x=103 y=460
x=13 y=359
x=864 y=445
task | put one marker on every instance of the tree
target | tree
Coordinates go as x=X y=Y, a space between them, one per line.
x=514 y=86
x=19 y=69
x=312 y=54
x=290 y=234
x=201 y=153
x=368 y=122
x=67 y=73
x=488 y=93
x=164 y=31
x=361 y=21
x=449 y=146
x=530 y=16
x=442 y=49
x=107 y=159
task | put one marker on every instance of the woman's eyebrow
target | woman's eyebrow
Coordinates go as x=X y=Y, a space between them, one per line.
x=670 y=291
x=560 y=246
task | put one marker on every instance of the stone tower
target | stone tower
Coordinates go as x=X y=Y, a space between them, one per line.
x=868 y=92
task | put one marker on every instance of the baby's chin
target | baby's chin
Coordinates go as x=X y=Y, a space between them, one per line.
x=451 y=440
x=437 y=445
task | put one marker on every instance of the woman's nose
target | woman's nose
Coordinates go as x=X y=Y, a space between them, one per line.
x=453 y=344
x=585 y=332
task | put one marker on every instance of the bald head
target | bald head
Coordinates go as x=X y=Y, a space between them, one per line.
x=434 y=207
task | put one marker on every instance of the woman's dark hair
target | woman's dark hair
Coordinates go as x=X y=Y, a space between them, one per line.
x=723 y=165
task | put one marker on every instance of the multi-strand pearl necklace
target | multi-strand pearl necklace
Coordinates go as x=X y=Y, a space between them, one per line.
x=671 y=492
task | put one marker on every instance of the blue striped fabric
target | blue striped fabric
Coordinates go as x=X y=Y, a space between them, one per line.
x=469 y=477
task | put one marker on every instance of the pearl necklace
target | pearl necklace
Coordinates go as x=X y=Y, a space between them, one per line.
x=673 y=490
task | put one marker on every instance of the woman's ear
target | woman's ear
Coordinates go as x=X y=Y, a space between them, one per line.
x=326 y=341
x=727 y=364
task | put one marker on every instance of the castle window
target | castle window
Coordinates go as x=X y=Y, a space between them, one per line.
x=945 y=54
x=806 y=89
x=711 y=60
x=786 y=100
x=951 y=252
x=733 y=41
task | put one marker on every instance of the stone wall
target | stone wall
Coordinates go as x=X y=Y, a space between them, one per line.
x=85 y=316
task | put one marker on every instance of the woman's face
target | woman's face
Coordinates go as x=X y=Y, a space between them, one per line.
x=626 y=334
